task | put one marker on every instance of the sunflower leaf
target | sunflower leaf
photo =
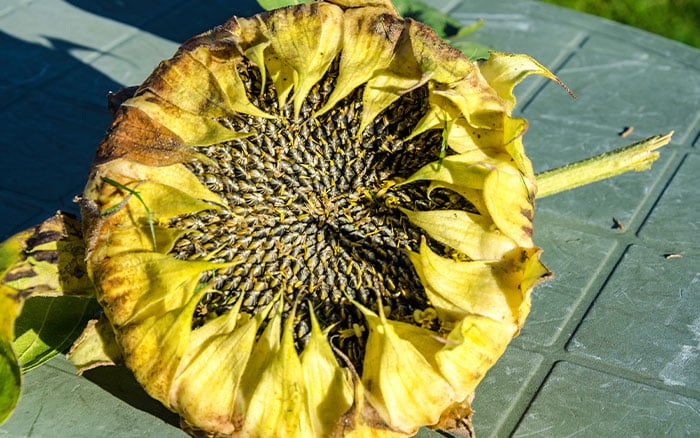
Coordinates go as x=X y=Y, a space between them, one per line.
x=441 y=23
x=47 y=326
x=44 y=262
x=269 y=5
x=10 y=375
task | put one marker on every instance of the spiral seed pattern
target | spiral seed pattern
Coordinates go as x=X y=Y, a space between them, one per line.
x=312 y=214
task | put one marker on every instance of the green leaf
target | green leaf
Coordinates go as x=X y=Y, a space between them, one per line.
x=471 y=50
x=268 y=5
x=48 y=326
x=43 y=273
x=441 y=23
x=10 y=379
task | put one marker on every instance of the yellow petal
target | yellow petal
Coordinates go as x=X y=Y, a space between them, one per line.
x=187 y=84
x=446 y=64
x=369 y=37
x=402 y=385
x=477 y=102
x=402 y=75
x=468 y=233
x=486 y=288
x=95 y=347
x=130 y=239
x=473 y=347
x=328 y=386
x=193 y=128
x=420 y=57
x=504 y=71
x=176 y=176
x=474 y=196
x=307 y=38
x=466 y=170
x=275 y=394
x=283 y=76
x=139 y=285
x=222 y=69
x=206 y=384
x=514 y=129
x=153 y=347
x=509 y=197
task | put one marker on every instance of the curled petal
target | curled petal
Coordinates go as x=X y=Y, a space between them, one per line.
x=369 y=39
x=509 y=197
x=493 y=289
x=504 y=71
x=466 y=232
x=401 y=383
x=309 y=45
x=225 y=74
x=328 y=386
x=206 y=384
x=273 y=389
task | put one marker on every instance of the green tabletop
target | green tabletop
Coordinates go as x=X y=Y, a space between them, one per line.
x=612 y=346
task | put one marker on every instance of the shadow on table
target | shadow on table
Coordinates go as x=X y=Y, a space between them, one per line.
x=175 y=21
x=49 y=132
x=121 y=383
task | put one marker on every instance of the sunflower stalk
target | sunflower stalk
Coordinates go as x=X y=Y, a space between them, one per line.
x=635 y=157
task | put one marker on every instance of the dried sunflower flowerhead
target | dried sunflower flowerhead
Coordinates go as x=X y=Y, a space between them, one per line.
x=313 y=222
x=316 y=221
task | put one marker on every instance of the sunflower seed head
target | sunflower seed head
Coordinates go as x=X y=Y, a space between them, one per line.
x=308 y=218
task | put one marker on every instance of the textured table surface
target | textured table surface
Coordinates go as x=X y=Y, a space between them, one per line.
x=612 y=344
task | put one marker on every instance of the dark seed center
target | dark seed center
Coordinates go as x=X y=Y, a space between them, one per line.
x=310 y=216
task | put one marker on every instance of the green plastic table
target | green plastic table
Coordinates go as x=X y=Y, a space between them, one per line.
x=612 y=346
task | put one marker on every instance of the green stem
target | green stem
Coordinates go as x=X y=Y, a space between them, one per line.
x=635 y=157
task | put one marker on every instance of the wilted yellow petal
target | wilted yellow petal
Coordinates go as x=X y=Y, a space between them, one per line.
x=509 y=197
x=130 y=239
x=187 y=84
x=275 y=393
x=193 y=129
x=206 y=383
x=477 y=102
x=163 y=336
x=399 y=77
x=401 y=383
x=514 y=129
x=486 y=288
x=468 y=233
x=328 y=387
x=139 y=285
x=309 y=44
x=369 y=37
x=176 y=176
x=224 y=73
x=466 y=170
x=95 y=347
x=504 y=71
x=473 y=347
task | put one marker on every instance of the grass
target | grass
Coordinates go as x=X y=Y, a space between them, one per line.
x=675 y=19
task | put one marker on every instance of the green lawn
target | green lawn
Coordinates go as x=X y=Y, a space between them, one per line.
x=676 y=19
